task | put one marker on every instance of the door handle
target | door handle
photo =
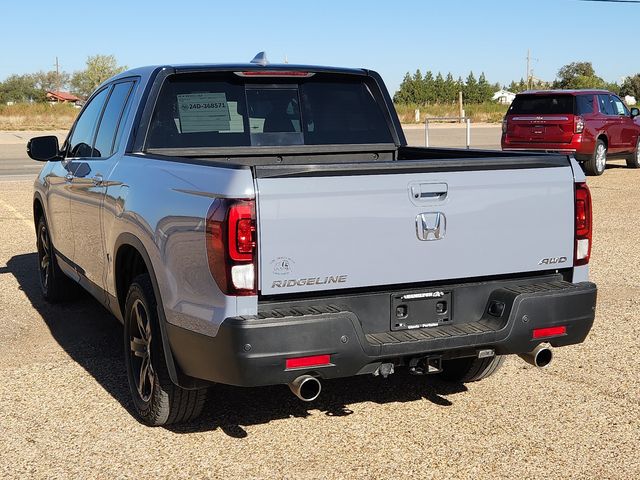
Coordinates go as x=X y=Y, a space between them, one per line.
x=429 y=191
x=98 y=180
x=68 y=177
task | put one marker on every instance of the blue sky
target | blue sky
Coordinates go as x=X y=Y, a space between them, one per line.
x=390 y=37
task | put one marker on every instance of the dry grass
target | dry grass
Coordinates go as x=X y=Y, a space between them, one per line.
x=484 y=112
x=37 y=116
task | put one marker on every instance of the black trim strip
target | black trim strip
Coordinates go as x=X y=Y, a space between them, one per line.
x=273 y=150
x=410 y=166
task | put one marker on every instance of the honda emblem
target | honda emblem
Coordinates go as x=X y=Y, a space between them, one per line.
x=431 y=226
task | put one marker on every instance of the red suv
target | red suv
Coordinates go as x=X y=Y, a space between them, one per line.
x=592 y=124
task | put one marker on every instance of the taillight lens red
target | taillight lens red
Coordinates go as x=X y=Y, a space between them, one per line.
x=578 y=124
x=583 y=225
x=505 y=125
x=242 y=230
x=231 y=238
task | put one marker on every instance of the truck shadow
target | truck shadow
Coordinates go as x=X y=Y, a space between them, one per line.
x=92 y=337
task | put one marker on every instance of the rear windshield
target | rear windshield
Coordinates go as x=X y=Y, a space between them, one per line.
x=226 y=110
x=542 y=104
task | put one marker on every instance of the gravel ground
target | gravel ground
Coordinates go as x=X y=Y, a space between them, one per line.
x=64 y=402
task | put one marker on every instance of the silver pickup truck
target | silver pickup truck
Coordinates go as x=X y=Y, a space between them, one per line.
x=259 y=224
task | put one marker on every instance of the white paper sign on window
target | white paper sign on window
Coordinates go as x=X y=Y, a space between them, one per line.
x=203 y=112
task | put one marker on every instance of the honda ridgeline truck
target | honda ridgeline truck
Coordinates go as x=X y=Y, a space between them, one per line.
x=259 y=224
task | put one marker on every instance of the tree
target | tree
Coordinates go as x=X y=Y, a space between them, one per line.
x=451 y=89
x=402 y=95
x=20 y=88
x=471 y=89
x=631 y=86
x=51 y=81
x=99 y=68
x=485 y=89
x=578 y=75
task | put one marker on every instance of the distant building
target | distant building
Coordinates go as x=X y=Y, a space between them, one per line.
x=62 y=97
x=630 y=100
x=503 y=96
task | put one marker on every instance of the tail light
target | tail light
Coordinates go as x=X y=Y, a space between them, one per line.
x=583 y=225
x=231 y=238
x=578 y=124
x=505 y=125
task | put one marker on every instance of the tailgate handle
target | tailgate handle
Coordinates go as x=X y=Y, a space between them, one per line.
x=429 y=191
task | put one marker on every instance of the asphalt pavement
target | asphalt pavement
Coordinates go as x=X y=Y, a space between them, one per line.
x=14 y=162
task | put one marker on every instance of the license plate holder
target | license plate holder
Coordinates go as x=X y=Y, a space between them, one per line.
x=425 y=309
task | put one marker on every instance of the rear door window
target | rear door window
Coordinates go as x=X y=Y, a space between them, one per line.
x=542 y=104
x=584 y=104
x=226 y=110
x=104 y=143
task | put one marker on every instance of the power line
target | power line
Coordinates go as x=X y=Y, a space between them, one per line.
x=612 y=1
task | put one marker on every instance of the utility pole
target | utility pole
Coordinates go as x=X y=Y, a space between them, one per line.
x=57 y=75
x=528 y=69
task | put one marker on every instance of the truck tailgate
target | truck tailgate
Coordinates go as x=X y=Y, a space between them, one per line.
x=351 y=229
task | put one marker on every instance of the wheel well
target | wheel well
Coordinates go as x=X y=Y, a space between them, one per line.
x=603 y=137
x=129 y=264
x=38 y=211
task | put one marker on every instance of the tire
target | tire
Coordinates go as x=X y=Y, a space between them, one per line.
x=54 y=284
x=156 y=399
x=470 y=369
x=598 y=161
x=633 y=160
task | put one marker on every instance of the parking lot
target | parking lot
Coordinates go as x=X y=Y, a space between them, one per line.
x=64 y=400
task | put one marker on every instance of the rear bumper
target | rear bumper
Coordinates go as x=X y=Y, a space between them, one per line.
x=580 y=144
x=251 y=351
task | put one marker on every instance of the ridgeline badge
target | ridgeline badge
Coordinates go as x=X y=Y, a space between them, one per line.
x=300 y=282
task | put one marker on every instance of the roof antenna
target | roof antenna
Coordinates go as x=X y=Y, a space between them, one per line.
x=260 y=59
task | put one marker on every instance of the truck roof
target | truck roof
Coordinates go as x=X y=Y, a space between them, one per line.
x=566 y=92
x=146 y=71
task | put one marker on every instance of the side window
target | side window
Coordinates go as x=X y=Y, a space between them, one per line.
x=605 y=106
x=584 y=104
x=110 y=120
x=82 y=136
x=619 y=106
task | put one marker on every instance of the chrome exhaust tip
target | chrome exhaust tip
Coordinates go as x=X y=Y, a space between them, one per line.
x=540 y=356
x=306 y=388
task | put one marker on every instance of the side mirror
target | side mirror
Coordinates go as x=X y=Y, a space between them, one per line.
x=635 y=112
x=44 y=149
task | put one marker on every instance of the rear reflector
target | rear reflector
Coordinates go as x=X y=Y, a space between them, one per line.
x=275 y=73
x=314 y=361
x=549 y=332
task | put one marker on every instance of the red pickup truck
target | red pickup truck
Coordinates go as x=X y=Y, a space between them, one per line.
x=594 y=125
